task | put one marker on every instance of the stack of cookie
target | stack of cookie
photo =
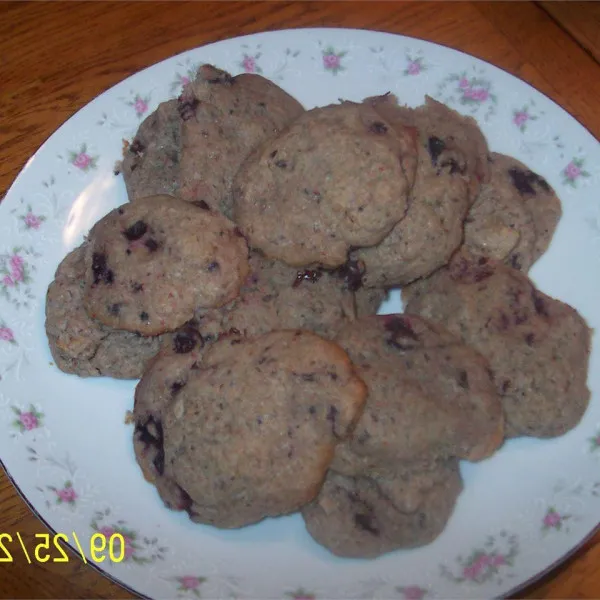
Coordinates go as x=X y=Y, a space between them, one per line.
x=241 y=282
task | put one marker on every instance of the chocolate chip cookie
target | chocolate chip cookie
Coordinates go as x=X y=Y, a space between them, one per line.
x=150 y=264
x=150 y=163
x=249 y=431
x=85 y=347
x=439 y=200
x=430 y=397
x=337 y=177
x=365 y=517
x=538 y=347
x=277 y=296
x=515 y=215
x=222 y=119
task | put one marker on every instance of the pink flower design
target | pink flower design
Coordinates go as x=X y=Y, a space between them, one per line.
x=185 y=80
x=572 y=171
x=32 y=221
x=16 y=261
x=67 y=494
x=140 y=106
x=189 y=582
x=520 y=118
x=414 y=68
x=552 y=519
x=249 y=64
x=331 y=61
x=7 y=281
x=498 y=560
x=82 y=161
x=28 y=421
x=464 y=83
x=478 y=94
x=6 y=334
x=107 y=532
x=413 y=592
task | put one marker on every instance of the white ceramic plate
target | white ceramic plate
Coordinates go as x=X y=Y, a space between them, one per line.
x=64 y=441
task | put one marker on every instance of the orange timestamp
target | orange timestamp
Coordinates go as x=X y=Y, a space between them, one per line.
x=49 y=548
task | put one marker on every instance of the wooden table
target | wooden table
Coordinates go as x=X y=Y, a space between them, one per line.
x=56 y=57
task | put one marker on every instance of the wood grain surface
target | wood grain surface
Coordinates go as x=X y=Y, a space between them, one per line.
x=55 y=57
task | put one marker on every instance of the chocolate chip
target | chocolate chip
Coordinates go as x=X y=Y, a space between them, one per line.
x=463 y=379
x=137 y=287
x=259 y=420
x=332 y=412
x=353 y=272
x=332 y=375
x=120 y=211
x=235 y=342
x=400 y=326
x=515 y=261
x=306 y=275
x=307 y=377
x=144 y=316
x=220 y=77
x=150 y=433
x=187 y=107
x=136 y=231
x=185 y=341
x=176 y=387
x=213 y=266
x=525 y=180
x=201 y=204
x=312 y=410
x=237 y=231
x=151 y=244
x=365 y=522
x=273 y=154
x=282 y=164
x=505 y=385
x=466 y=271
x=136 y=147
x=114 y=309
x=186 y=501
x=435 y=146
x=102 y=274
x=529 y=339
x=541 y=308
x=378 y=127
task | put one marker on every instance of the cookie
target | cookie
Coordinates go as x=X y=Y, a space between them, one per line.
x=277 y=296
x=167 y=371
x=538 y=347
x=364 y=517
x=152 y=263
x=82 y=346
x=368 y=300
x=439 y=200
x=512 y=179
x=337 y=177
x=222 y=119
x=453 y=138
x=430 y=397
x=150 y=163
x=250 y=430
x=499 y=224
